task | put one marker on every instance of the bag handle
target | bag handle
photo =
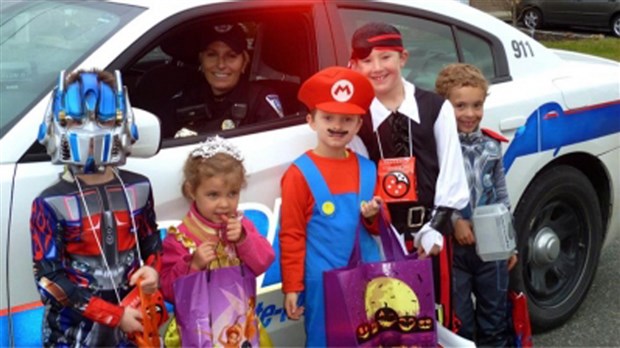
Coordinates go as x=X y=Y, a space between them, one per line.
x=391 y=247
x=356 y=254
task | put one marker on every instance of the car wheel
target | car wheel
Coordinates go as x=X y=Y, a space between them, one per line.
x=532 y=18
x=615 y=26
x=559 y=229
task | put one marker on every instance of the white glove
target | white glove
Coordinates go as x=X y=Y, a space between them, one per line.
x=428 y=237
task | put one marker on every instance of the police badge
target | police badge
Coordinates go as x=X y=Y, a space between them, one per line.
x=275 y=103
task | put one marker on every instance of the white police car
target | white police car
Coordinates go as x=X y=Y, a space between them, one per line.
x=560 y=110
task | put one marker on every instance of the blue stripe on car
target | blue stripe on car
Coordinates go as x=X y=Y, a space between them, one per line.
x=549 y=127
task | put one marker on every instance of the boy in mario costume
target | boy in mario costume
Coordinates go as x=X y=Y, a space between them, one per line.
x=325 y=194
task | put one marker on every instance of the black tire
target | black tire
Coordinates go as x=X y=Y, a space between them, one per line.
x=615 y=26
x=559 y=229
x=532 y=18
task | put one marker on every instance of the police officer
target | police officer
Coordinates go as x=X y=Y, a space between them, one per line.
x=225 y=99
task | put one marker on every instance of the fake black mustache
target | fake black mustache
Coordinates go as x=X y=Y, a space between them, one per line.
x=333 y=132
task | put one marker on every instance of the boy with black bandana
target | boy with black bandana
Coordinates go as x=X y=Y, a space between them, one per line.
x=407 y=122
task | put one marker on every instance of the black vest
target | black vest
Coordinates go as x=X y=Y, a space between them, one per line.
x=423 y=140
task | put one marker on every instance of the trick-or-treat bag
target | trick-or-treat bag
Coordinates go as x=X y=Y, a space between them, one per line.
x=215 y=308
x=154 y=315
x=388 y=303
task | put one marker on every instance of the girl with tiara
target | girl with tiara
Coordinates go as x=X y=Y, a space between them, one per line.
x=213 y=233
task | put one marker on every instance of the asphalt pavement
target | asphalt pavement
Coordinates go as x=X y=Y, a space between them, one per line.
x=597 y=321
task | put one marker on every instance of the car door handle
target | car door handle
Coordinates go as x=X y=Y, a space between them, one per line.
x=511 y=123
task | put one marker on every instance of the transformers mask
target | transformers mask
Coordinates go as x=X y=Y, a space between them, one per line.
x=88 y=123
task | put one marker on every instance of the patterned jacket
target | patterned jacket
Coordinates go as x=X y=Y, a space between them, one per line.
x=71 y=232
x=482 y=157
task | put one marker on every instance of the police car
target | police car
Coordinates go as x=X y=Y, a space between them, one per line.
x=560 y=111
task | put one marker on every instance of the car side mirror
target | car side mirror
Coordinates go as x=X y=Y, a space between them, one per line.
x=149 y=134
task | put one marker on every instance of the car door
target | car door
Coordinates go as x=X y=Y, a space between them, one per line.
x=268 y=147
x=288 y=43
x=579 y=13
x=558 y=12
x=45 y=37
x=591 y=13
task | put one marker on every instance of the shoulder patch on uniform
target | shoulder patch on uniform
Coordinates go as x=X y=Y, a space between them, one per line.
x=274 y=101
x=494 y=135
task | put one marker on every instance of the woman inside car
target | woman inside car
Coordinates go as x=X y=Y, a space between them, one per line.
x=225 y=99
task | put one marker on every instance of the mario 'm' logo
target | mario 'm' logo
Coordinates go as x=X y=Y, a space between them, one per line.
x=342 y=90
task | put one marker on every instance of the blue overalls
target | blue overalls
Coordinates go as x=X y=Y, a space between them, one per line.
x=330 y=235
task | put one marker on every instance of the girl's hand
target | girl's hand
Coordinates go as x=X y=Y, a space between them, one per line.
x=463 y=232
x=204 y=254
x=234 y=230
x=150 y=279
x=131 y=321
x=290 y=305
x=371 y=208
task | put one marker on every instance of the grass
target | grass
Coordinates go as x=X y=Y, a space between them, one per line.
x=607 y=47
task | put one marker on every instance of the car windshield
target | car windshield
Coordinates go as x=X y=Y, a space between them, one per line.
x=40 y=38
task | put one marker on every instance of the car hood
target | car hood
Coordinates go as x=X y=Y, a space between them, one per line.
x=582 y=57
x=585 y=72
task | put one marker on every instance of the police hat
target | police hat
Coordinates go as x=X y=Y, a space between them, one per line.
x=231 y=34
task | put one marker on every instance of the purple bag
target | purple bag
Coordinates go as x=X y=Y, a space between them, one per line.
x=215 y=308
x=388 y=303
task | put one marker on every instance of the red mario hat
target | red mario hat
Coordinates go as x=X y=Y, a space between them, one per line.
x=337 y=90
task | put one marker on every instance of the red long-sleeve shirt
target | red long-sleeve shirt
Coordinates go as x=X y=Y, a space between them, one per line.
x=342 y=176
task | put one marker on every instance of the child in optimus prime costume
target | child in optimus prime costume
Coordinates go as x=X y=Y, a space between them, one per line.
x=94 y=233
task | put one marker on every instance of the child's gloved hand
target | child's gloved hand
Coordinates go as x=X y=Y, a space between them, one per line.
x=428 y=241
x=371 y=208
x=131 y=321
x=204 y=254
x=150 y=279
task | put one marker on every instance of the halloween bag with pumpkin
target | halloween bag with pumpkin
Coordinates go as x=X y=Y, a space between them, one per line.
x=388 y=303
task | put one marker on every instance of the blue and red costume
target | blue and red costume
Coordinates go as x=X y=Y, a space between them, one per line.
x=76 y=287
x=321 y=200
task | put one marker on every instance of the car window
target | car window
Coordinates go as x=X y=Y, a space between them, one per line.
x=431 y=44
x=168 y=81
x=477 y=51
x=40 y=38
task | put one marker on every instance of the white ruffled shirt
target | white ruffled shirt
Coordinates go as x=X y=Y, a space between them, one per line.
x=451 y=187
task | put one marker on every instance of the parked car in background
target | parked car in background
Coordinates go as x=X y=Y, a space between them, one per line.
x=595 y=14
x=560 y=111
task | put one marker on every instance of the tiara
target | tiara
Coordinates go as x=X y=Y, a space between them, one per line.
x=215 y=145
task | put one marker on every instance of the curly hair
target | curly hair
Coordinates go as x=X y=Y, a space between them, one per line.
x=198 y=168
x=459 y=75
